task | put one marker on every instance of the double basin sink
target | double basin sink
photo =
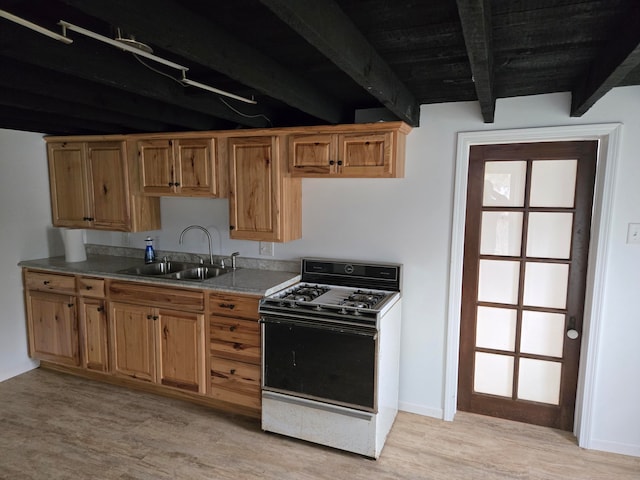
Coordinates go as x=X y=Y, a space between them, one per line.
x=177 y=270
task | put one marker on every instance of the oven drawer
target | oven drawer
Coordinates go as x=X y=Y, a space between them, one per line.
x=235 y=339
x=236 y=382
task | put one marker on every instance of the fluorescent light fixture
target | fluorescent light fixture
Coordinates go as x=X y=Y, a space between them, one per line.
x=34 y=27
x=120 y=45
x=142 y=53
x=192 y=83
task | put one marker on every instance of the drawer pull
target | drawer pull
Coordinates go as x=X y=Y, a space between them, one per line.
x=232 y=371
x=46 y=282
x=230 y=306
x=232 y=328
x=88 y=287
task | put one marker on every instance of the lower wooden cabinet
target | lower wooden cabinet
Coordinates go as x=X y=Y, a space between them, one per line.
x=235 y=350
x=93 y=334
x=158 y=345
x=141 y=334
x=53 y=327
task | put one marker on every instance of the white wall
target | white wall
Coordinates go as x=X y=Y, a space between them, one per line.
x=24 y=220
x=409 y=221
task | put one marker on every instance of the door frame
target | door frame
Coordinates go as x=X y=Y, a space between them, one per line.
x=609 y=135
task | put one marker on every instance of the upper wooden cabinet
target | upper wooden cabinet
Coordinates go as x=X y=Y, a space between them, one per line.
x=89 y=182
x=181 y=167
x=375 y=150
x=264 y=203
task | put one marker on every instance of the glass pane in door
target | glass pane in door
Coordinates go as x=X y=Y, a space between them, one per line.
x=539 y=380
x=498 y=281
x=504 y=184
x=496 y=328
x=542 y=333
x=549 y=234
x=501 y=233
x=493 y=374
x=553 y=183
x=545 y=284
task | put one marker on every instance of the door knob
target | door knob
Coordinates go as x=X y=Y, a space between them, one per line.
x=572 y=333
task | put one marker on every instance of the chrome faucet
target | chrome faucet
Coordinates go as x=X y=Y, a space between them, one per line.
x=191 y=227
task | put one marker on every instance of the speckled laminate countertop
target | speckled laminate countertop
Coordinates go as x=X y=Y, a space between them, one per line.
x=243 y=280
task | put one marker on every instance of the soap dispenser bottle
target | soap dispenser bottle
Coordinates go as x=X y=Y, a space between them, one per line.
x=149 y=252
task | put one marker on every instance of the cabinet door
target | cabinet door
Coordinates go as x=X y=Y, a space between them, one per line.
x=68 y=179
x=194 y=160
x=93 y=334
x=53 y=327
x=156 y=167
x=107 y=186
x=181 y=350
x=132 y=341
x=312 y=155
x=254 y=200
x=365 y=155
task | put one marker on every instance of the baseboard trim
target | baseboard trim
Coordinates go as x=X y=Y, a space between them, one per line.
x=16 y=370
x=615 y=447
x=421 y=410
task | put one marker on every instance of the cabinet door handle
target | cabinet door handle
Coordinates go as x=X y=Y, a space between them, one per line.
x=232 y=227
x=155 y=317
x=332 y=162
x=230 y=306
x=177 y=184
x=69 y=305
x=171 y=184
x=149 y=317
x=339 y=162
x=100 y=309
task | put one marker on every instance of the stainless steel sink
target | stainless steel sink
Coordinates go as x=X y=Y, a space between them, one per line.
x=200 y=273
x=176 y=270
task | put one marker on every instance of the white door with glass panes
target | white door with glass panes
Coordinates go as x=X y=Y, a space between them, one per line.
x=526 y=245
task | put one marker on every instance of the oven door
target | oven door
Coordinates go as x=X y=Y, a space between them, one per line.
x=323 y=361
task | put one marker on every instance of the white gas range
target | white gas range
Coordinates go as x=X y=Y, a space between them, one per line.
x=331 y=355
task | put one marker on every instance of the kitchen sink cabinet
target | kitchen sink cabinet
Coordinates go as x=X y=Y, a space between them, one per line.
x=358 y=152
x=265 y=204
x=235 y=349
x=89 y=183
x=52 y=321
x=181 y=167
x=156 y=338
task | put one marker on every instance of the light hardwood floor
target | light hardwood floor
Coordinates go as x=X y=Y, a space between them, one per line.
x=56 y=426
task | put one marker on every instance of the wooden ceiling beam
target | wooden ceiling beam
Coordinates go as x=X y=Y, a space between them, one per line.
x=104 y=65
x=203 y=43
x=620 y=57
x=149 y=115
x=325 y=26
x=475 y=16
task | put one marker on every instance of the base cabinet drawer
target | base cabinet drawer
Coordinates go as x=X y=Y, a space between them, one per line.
x=235 y=382
x=235 y=339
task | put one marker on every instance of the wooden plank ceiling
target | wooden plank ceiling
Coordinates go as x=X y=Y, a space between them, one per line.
x=305 y=62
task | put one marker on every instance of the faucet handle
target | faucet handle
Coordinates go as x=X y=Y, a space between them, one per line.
x=233 y=259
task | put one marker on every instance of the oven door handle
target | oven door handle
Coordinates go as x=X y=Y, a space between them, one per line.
x=365 y=332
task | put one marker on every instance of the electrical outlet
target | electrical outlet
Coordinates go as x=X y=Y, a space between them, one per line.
x=633 y=234
x=266 y=248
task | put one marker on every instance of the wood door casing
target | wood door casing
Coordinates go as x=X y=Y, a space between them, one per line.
x=561 y=415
